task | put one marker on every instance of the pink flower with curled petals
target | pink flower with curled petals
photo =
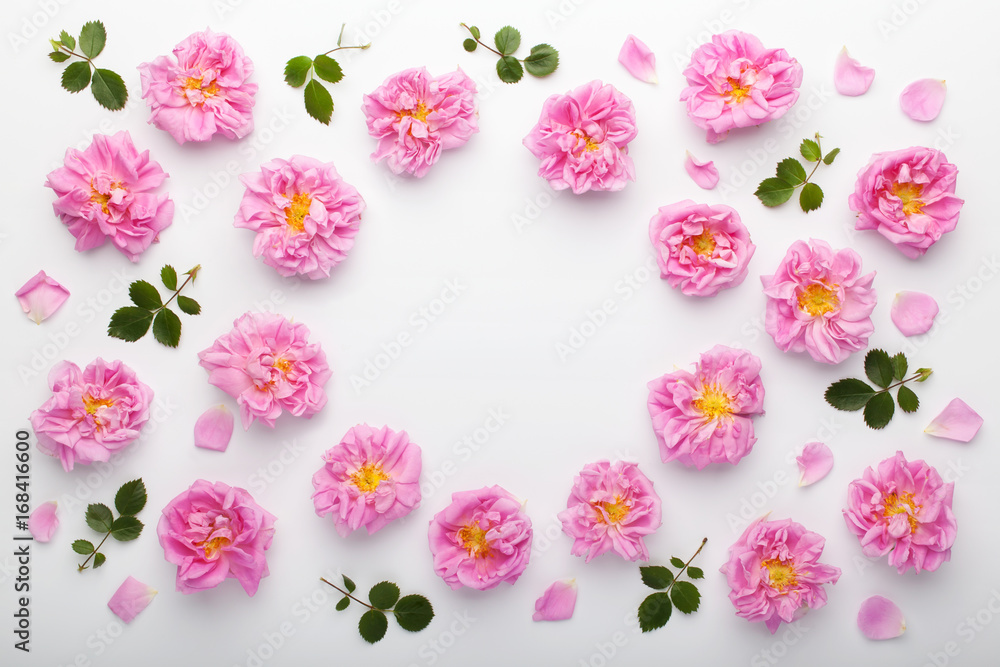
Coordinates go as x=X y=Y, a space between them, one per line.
x=850 y=77
x=880 y=618
x=43 y=521
x=733 y=82
x=815 y=462
x=956 y=422
x=214 y=428
x=131 y=598
x=370 y=478
x=704 y=174
x=480 y=540
x=582 y=139
x=638 y=59
x=201 y=91
x=913 y=313
x=774 y=572
x=612 y=507
x=557 y=602
x=41 y=296
x=707 y=416
x=819 y=302
x=903 y=509
x=922 y=100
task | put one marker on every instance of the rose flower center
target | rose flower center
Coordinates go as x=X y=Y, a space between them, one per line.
x=296 y=211
x=900 y=504
x=780 y=574
x=703 y=244
x=616 y=511
x=909 y=195
x=102 y=198
x=713 y=402
x=588 y=142
x=474 y=540
x=195 y=83
x=420 y=113
x=368 y=477
x=738 y=91
x=213 y=546
x=818 y=299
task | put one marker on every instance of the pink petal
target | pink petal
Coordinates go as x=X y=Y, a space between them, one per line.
x=704 y=174
x=43 y=521
x=913 y=313
x=131 y=598
x=638 y=59
x=41 y=296
x=815 y=463
x=850 y=77
x=557 y=602
x=923 y=99
x=214 y=428
x=880 y=618
x=956 y=422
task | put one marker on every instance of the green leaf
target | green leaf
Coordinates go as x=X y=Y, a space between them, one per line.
x=774 y=191
x=908 y=401
x=849 y=394
x=131 y=498
x=791 y=171
x=831 y=156
x=542 y=61
x=676 y=562
x=878 y=411
x=810 y=150
x=99 y=517
x=56 y=46
x=76 y=76
x=475 y=31
x=188 y=305
x=109 y=90
x=130 y=323
x=654 y=612
x=811 y=197
x=328 y=69
x=413 y=612
x=319 y=104
x=509 y=69
x=167 y=328
x=343 y=604
x=144 y=295
x=169 y=277
x=899 y=366
x=126 y=528
x=656 y=576
x=296 y=72
x=470 y=45
x=695 y=572
x=383 y=594
x=507 y=40
x=99 y=559
x=373 y=625
x=59 y=56
x=349 y=584
x=92 y=38
x=67 y=40
x=879 y=368
x=685 y=597
x=83 y=547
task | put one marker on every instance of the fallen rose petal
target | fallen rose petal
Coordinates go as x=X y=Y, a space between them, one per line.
x=850 y=77
x=43 y=521
x=557 y=602
x=956 y=422
x=815 y=463
x=41 y=296
x=130 y=599
x=214 y=428
x=880 y=618
x=638 y=59
x=923 y=99
x=913 y=313
x=704 y=174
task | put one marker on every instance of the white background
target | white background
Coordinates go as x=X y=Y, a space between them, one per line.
x=525 y=288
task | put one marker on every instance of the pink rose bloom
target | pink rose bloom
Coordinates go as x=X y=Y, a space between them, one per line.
x=202 y=90
x=415 y=116
x=707 y=416
x=733 y=81
x=700 y=248
x=305 y=216
x=582 y=139
x=215 y=531
x=106 y=192
x=93 y=414
x=908 y=196
x=819 y=302
x=612 y=507
x=370 y=478
x=903 y=509
x=268 y=365
x=774 y=571
x=481 y=539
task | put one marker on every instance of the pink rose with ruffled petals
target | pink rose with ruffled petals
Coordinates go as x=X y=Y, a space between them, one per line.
x=106 y=192
x=370 y=478
x=819 y=302
x=582 y=139
x=907 y=196
x=733 y=81
x=700 y=248
x=612 y=507
x=91 y=414
x=903 y=509
x=268 y=365
x=304 y=214
x=481 y=539
x=707 y=416
x=215 y=531
x=415 y=116
x=774 y=571
x=202 y=90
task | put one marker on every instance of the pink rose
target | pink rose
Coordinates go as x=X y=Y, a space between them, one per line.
x=582 y=139
x=908 y=196
x=733 y=81
x=819 y=302
x=202 y=90
x=93 y=414
x=700 y=248
x=106 y=192
x=215 y=531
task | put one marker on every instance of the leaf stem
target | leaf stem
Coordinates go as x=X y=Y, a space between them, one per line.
x=74 y=53
x=819 y=147
x=898 y=384
x=190 y=276
x=83 y=567
x=700 y=547
x=340 y=39
x=484 y=44
x=352 y=597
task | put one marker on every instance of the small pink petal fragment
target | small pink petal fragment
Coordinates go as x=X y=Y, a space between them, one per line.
x=214 y=428
x=131 y=598
x=923 y=99
x=880 y=618
x=41 y=296
x=638 y=59
x=43 y=521
x=913 y=313
x=850 y=77
x=815 y=463
x=704 y=174
x=956 y=422
x=557 y=602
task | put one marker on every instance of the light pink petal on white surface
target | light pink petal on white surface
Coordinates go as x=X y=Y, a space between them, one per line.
x=41 y=296
x=638 y=59
x=913 y=313
x=131 y=598
x=214 y=428
x=815 y=463
x=956 y=422
x=850 y=77
x=43 y=522
x=880 y=618
x=704 y=174
x=923 y=99
x=557 y=602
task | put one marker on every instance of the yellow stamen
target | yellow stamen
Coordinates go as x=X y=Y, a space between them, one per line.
x=713 y=402
x=781 y=575
x=818 y=299
x=420 y=113
x=588 y=143
x=703 y=244
x=474 y=540
x=616 y=511
x=368 y=477
x=738 y=92
x=101 y=198
x=295 y=213
x=195 y=83
x=283 y=365
x=909 y=195
x=92 y=405
x=900 y=504
x=213 y=546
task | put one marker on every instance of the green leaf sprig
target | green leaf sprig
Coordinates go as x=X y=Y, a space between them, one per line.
x=132 y=322
x=412 y=612
x=851 y=394
x=541 y=61
x=129 y=501
x=108 y=87
x=791 y=175
x=304 y=70
x=655 y=610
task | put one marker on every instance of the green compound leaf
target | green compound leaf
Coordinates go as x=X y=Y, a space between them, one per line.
x=507 y=40
x=109 y=90
x=373 y=625
x=126 y=528
x=319 y=104
x=144 y=295
x=76 y=76
x=810 y=150
x=791 y=171
x=774 y=191
x=296 y=72
x=167 y=328
x=93 y=36
x=656 y=576
x=685 y=597
x=169 y=277
x=908 y=401
x=509 y=69
x=413 y=612
x=83 y=547
x=849 y=394
x=99 y=517
x=878 y=411
x=654 y=612
x=130 y=323
x=470 y=45
x=542 y=61
x=383 y=594
x=879 y=368
x=811 y=197
x=328 y=69
x=131 y=498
